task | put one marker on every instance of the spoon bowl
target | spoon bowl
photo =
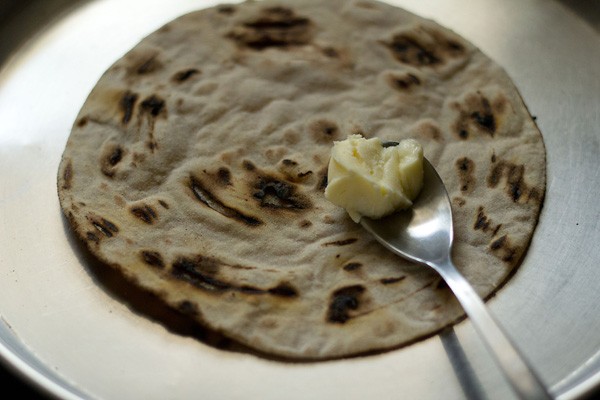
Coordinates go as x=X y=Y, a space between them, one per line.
x=424 y=234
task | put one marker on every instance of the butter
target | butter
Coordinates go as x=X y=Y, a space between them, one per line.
x=370 y=180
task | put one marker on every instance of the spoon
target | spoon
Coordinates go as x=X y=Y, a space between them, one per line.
x=424 y=234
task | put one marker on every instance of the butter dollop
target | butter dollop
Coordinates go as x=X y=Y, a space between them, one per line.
x=368 y=179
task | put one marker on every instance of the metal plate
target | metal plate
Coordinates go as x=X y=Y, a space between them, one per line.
x=67 y=333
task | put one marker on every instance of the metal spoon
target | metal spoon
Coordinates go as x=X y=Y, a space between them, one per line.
x=424 y=234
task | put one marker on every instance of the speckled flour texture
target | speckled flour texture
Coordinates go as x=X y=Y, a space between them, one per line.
x=197 y=166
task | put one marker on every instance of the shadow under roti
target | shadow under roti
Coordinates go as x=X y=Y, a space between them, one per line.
x=148 y=305
x=145 y=303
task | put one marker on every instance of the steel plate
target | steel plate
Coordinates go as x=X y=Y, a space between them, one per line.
x=67 y=333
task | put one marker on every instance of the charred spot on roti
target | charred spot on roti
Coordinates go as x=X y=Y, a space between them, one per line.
x=153 y=105
x=424 y=47
x=330 y=52
x=277 y=194
x=164 y=204
x=496 y=229
x=342 y=302
x=515 y=185
x=145 y=213
x=120 y=201
x=429 y=130
x=185 y=74
x=322 y=184
x=352 y=266
x=148 y=65
x=447 y=46
x=115 y=156
x=455 y=46
x=485 y=119
x=283 y=289
x=515 y=182
x=343 y=242
x=224 y=176
x=152 y=258
x=409 y=50
x=139 y=157
x=250 y=289
x=165 y=28
x=498 y=243
x=112 y=154
x=404 y=82
x=81 y=122
x=503 y=249
x=389 y=281
x=248 y=165
x=202 y=194
x=103 y=225
x=305 y=223
x=461 y=128
x=464 y=164
x=292 y=170
x=127 y=104
x=198 y=264
x=535 y=194
x=481 y=222
x=67 y=175
x=475 y=114
x=500 y=103
x=484 y=223
x=92 y=237
x=277 y=27
x=188 y=308
x=152 y=145
x=199 y=272
x=495 y=175
x=302 y=175
x=226 y=9
x=466 y=167
x=324 y=130
x=328 y=219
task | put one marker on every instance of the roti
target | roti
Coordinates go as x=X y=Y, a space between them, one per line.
x=197 y=165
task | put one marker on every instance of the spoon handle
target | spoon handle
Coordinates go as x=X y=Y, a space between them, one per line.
x=515 y=368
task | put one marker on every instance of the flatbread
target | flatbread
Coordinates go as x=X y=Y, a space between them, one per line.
x=197 y=167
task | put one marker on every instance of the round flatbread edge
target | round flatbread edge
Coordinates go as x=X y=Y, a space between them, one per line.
x=197 y=165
